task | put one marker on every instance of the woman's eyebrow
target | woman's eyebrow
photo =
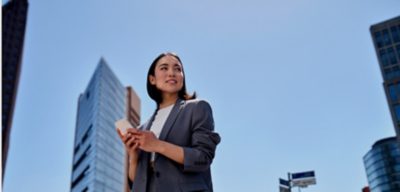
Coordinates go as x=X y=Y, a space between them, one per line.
x=166 y=65
x=163 y=64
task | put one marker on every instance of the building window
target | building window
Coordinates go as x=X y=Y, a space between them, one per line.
x=80 y=177
x=83 y=156
x=396 y=71
x=77 y=148
x=386 y=37
x=397 y=112
x=384 y=57
x=378 y=39
x=87 y=134
x=388 y=56
x=395 y=34
x=398 y=51
x=391 y=56
x=393 y=92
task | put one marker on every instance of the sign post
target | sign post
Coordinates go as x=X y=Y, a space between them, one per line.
x=300 y=180
x=284 y=185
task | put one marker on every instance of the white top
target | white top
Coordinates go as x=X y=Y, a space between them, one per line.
x=158 y=123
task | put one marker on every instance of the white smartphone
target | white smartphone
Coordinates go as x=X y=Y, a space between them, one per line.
x=123 y=124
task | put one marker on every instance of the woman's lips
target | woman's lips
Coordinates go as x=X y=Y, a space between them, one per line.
x=171 y=81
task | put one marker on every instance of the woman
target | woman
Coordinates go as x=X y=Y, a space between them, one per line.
x=173 y=151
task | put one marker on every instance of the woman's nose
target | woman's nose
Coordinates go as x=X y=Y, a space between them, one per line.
x=171 y=73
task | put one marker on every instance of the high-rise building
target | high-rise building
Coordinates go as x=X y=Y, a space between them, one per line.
x=14 y=16
x=382 y=165
x=382 y=162
x=386 y=38
x=99 y=156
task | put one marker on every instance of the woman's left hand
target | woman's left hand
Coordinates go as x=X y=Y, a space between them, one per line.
x=147 y=141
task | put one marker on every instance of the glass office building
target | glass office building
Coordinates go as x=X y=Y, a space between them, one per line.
x=386 y=38
x=382 y=162
x=14 y=18
x=382 y=165
x=99 y=156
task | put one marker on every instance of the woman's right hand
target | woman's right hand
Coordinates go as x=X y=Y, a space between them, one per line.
x=129 y=140
x=132 y=148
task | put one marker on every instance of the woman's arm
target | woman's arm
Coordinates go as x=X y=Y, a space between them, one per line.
x=204 y=141
x=132 y=163
x=131 y=147
x=197 y=157
x=149 y=142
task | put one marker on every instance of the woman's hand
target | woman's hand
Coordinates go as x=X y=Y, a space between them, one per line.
x=147 y=141
x=130 y=141
x=132 y=148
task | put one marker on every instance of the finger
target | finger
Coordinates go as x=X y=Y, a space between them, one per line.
x=135 y=145
x=132 y=130
x=120 y=134
x=131 y=142
x=127 y=138
x=139 y=137
x=148 y=133
x=130 y=145
x=137 y=132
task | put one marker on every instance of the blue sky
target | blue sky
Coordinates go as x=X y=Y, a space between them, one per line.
x=294 y=85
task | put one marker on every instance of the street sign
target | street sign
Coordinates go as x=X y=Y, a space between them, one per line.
x=283 y=189
x=303 y=179
x=303 y=174
x=284 y=183
x=284 y=186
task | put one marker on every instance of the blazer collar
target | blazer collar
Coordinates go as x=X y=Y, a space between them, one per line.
x=169 y=122
x=171 y=118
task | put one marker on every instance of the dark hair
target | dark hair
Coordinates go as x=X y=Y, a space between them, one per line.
x=155 y=93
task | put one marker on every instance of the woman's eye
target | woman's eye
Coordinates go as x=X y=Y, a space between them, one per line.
x=178 y=69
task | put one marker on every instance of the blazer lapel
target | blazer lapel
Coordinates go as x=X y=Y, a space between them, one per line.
x=171 y=119
x=147 y=126
x=168 y=123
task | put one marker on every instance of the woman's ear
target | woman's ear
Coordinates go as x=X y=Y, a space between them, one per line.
x=152 y=80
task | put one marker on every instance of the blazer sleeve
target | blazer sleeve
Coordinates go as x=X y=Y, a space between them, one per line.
x=199 y=156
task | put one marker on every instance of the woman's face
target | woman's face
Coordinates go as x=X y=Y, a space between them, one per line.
x=168 y=75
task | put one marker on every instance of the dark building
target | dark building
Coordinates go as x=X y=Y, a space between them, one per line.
x=99 y=157
x=382 y=162
x=14 y=16
x=382 y=165
x=386 y=37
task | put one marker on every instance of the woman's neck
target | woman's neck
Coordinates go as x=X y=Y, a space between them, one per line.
x=168 y=100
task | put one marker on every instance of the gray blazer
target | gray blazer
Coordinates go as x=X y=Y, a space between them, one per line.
x=190 y=125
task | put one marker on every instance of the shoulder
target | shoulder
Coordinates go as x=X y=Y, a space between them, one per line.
x=197 y=105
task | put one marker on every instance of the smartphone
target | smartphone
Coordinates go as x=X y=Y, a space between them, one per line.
x=123 y=125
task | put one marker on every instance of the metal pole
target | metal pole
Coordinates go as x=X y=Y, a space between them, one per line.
x=290 y=182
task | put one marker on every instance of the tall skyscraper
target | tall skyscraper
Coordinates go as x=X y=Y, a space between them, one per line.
x=382 y=165
x=99 y=155
x=386 y=38
x=382 y=162
x=14 y=16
